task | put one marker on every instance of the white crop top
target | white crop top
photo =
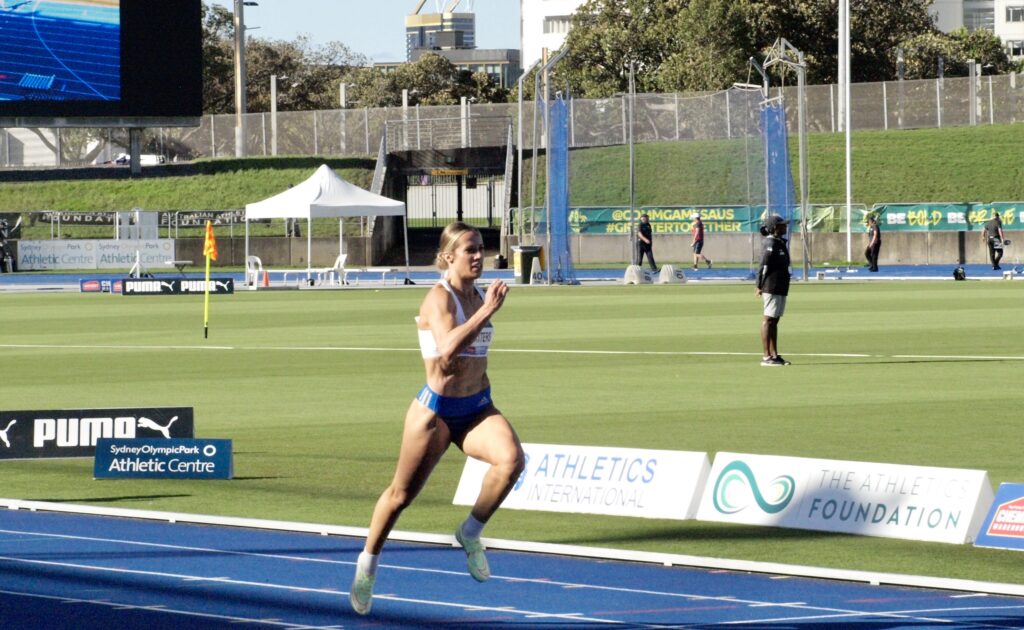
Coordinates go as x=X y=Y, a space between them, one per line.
x=428 y=345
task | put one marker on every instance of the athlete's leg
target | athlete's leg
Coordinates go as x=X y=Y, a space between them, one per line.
x=769 y=334
x=494 y=441
x=424 y=441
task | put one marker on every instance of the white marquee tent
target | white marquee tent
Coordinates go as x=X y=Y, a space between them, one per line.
x=325 y=195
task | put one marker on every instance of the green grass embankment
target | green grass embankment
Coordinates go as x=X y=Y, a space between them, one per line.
x=925 y=165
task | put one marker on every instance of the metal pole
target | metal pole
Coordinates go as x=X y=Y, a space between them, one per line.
x=240 y=78
x=885 y=107
x=972 y=92
x=519 y=193
x=632 y=167
x=805 y=193
x=273 y=114
x=405 y=119
x=846 y=127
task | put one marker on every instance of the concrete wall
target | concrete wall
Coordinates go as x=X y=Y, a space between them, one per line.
x=276 y=251
x=905 y=248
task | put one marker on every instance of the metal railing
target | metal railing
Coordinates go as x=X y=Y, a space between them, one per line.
x=950 y=102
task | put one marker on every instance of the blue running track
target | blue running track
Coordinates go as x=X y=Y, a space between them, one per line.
x=80 y=571
x=59 y=51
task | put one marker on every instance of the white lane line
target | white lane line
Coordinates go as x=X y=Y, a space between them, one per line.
x=162 y=609
x=667 y=353
x=897 y=614
x=302 y=589
x=830 y=613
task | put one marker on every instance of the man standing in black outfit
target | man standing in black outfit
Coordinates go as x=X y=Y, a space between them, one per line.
x=773 y=286
x=645 y=242
x=874 y=242
x=993 y=237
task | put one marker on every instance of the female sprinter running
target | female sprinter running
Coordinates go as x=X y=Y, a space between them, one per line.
x=454 y=407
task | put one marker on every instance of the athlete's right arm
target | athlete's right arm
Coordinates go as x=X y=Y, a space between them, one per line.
x=438 y=311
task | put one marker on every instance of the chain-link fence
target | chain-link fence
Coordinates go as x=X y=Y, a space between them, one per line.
x=925 y=103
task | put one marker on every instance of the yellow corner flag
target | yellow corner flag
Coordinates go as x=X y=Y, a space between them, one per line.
x=210 y=243
x=210 y=252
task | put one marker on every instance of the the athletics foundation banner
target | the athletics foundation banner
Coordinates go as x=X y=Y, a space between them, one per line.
x=1004 y=526
x=888 y=500
x=599 y=480
x=74 y=432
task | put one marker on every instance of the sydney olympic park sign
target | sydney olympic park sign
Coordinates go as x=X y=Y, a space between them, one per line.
x=870 y=499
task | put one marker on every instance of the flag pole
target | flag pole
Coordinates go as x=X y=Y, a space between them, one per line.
x=206 y=300
x=209 y=251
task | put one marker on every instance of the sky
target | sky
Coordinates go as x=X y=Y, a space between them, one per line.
x=375 y=28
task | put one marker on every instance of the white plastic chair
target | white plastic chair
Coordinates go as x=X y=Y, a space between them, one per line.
x=253 y=270
x=337 y=271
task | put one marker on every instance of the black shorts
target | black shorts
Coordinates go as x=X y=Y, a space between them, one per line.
x=697 y=246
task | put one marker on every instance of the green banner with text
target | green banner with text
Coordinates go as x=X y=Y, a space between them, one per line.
x=893 y=217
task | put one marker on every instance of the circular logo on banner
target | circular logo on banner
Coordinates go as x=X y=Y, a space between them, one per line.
x=736 y=486
x=209 y=450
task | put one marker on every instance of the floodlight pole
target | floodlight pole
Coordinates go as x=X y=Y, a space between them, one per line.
x=240 y=78
x=844 y=82
x=273 y=114
x=631 y=98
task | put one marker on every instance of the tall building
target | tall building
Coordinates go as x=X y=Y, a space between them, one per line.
x=453 y=36
x=1009 y=26
x=441 y=31
x=1004 y=18
x=544 y=24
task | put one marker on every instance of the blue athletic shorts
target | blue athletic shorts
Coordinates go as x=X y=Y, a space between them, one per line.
x=460 y=414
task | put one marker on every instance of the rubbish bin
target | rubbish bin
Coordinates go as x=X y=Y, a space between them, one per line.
x=522 y=261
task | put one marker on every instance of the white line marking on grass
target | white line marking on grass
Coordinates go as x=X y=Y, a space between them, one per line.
x=667 y=353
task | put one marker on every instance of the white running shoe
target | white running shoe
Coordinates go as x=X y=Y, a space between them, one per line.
x=475 y=558
x=361 y=593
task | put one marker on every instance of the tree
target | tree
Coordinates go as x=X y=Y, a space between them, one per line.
x=922 y=53
x=714 y=44
x=430 y=80
x=310 y=73
x=704 y=44
x=218 y=59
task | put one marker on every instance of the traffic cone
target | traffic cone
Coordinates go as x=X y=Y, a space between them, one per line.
x=266 y=278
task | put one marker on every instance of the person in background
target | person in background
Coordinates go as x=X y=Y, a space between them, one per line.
x=698 y=241
x=454 y=407
x=992 y=234
x=773 y=287
x=874 y=243
x=645 y=242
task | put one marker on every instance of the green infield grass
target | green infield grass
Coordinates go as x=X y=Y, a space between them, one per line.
x=312 y=387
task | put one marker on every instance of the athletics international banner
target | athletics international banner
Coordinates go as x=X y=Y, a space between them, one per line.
x=888 y=500
x=599 y=480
